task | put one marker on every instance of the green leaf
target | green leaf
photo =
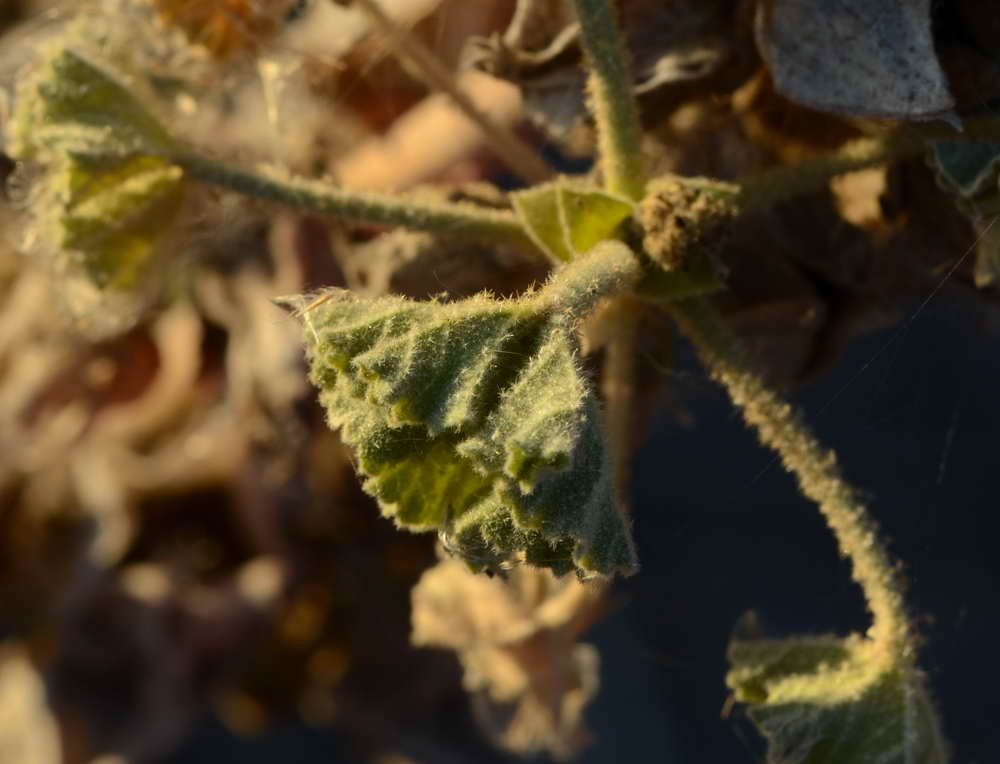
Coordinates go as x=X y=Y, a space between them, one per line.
x=589 y=216
x=827 y=700
x=115 y=213
x=70 y=105
x=538 y=210
x=567 y=221
x=473 y=418
x=107 y=196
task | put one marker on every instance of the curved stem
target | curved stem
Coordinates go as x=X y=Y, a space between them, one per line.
x=612 y=100
x=464 y=220
x=780 y=427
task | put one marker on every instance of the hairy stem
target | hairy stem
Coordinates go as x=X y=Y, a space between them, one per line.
x=781 y=183
x=607 y=270
x=505 y=144
x=612 y=101
x=780 y=427
x=463 y=220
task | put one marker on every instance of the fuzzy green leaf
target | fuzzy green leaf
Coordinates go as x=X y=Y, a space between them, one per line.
x=827 y=700
x=107 y=196
x=115 y=213
x=473 y=418
x=70 y=105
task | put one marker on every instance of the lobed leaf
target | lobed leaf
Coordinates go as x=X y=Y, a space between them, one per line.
x=106 y=200
x=473 y=418
x=827 y=700
x=115 y=213
x=71 y=105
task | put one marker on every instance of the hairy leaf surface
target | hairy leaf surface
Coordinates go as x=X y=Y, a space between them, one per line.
x=107 y=197
x=473 y=418
x=827 y=700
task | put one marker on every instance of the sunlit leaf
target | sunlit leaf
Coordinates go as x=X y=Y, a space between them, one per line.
x=106 y=196
x=72 y=106
x=567 y=221
x=590 y=216
x=116 y=213
x=473 y=418
x=538 y=210
x=827 y=700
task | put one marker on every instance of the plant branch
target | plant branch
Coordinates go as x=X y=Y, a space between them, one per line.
x=784 y=182
x=463 y=220
x=780 y=427
x=612 y=100
x=504 y=143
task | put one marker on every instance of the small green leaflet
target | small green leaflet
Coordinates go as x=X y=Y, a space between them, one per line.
x=565 y=221
x=827 y=700
x=474 y=419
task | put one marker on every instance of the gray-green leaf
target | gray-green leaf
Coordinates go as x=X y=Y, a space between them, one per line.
x=473 y=418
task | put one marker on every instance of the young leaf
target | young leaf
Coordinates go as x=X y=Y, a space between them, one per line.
x=473 y=418
x=538 y=210
x=565 y=222
x=827 y=700
x=589 y=216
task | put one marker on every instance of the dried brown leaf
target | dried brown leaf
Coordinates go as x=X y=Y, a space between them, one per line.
x=516 y=639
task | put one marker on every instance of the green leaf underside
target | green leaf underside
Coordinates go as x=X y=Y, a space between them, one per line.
x=108 y=198
x=565 y=221
x=472 y=418
x=115 y=213
x=827 y=700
